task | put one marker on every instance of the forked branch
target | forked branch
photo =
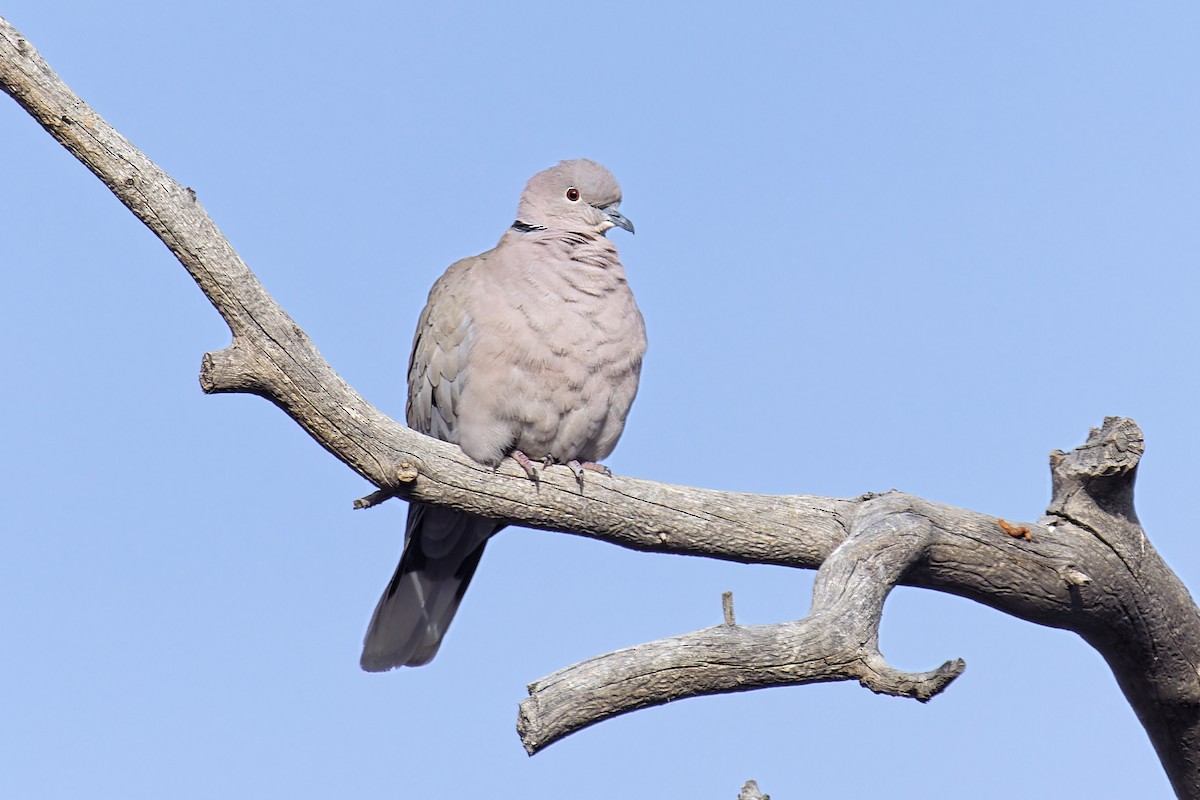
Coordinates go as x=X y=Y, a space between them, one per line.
x=838 y=640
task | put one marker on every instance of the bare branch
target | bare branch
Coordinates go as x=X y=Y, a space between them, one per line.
x=750 y=791
x=1128 y=603
x=1086 y=566
x=838 y=640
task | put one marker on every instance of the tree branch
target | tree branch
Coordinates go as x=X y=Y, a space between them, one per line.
x=1086 y=566
x=750 y=791
x=838 y=640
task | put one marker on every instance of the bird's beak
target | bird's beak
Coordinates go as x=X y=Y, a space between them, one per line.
x=618 y=219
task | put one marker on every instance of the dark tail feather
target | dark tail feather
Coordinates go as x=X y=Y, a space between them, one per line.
x=441 y=551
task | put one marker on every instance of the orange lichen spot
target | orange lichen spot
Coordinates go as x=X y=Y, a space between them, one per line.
x=1015 y=531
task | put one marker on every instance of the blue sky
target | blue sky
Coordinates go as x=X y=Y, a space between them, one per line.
x=879 y=245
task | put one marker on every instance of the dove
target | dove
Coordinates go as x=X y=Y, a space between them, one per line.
x=531 y=351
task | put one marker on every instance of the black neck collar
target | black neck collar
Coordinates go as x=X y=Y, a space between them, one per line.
x=525 y=227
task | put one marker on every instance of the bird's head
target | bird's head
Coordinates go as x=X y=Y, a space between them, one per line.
x=578 y=196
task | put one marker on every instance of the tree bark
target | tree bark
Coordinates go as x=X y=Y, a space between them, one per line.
x=1086 y=566
x=750 y=791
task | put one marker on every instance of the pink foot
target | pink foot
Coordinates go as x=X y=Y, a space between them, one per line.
x=526 y=464
x=591 y=466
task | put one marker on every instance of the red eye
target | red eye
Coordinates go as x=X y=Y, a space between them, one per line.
x=572 y=194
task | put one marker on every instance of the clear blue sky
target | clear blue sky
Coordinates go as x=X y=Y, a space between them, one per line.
x=879 y=245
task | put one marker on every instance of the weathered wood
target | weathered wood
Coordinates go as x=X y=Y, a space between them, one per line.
x=1086 y=566
x=838 y=640
x=750 y=791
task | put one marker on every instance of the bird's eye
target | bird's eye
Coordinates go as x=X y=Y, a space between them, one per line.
x=572 y=194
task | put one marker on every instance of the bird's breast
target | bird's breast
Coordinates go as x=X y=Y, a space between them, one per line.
x=555 y=361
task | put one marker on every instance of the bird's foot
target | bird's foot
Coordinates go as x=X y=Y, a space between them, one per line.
x=577 y=467
x=590 y=466
x=526 y=464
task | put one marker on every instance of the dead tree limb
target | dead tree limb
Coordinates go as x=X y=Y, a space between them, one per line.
x=1086 y=566
x=750 y=791
x=838 y=640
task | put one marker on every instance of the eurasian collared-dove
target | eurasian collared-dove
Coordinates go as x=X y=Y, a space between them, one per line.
x=530 y=350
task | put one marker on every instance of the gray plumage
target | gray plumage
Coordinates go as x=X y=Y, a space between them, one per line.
x=532 y=350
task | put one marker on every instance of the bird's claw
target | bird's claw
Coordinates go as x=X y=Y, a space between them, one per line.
x=591 y=466
x=525 y=464
x=577 y=467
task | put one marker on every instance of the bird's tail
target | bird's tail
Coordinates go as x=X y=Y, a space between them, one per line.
x=442 y=548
